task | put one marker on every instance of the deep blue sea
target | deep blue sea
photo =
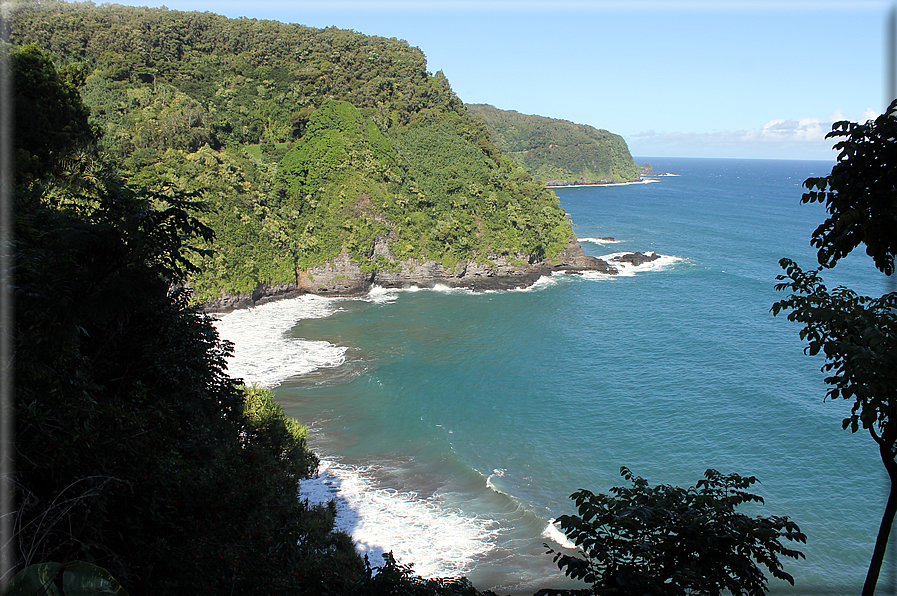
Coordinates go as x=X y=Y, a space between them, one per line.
x=453 y=426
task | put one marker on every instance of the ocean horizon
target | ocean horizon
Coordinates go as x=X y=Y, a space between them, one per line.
x=453 y=426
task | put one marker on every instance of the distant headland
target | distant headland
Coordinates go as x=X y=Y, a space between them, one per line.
x=559 y=152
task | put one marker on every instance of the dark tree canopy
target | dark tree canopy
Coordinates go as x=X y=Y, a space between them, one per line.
x=860 y=194
x=134 y=448
x=50 y=118
x=856 y=334
x=667 y=540
x=135 y=451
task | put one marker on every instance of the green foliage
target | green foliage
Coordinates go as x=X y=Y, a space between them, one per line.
x=856 y=334
x=271 y=430
x=79 y=578
x=45 y=135
x=336 y=180
x=304 y=142
x=859 y=194
x=430 y=188
x=394 y=578
x=255 y=78
x=251 y=244
x=558 y=151
x=667 y=540
x=136 y=450
x=471 y=202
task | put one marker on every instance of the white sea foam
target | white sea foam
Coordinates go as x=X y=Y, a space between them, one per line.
x=625 y=269
x=264 y=352
x=381 y=295
x=552 y=532
x=610 y=184
x=494 y=484
x=439 y=539
x=546 y=281
x=599 y=240
x=450 y=290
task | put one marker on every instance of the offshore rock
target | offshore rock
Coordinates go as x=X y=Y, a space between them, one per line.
x=637 y=258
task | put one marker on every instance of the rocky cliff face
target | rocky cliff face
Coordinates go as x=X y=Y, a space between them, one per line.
x=344 y=277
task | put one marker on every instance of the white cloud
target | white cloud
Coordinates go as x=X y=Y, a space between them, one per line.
x=869 y=114
x=802 y=138
x=838 y=115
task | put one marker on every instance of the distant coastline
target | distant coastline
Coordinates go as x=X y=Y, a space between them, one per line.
x=592 y=184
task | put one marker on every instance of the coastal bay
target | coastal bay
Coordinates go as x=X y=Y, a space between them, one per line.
x=471 y=416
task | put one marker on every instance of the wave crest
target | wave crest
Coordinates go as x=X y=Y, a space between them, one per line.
x=440 y=540
x=599 y=240
x=264 y=351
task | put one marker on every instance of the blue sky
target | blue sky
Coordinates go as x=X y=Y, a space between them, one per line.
x=726 y=78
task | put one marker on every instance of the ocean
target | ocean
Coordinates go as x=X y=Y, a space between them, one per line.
x=453 y=426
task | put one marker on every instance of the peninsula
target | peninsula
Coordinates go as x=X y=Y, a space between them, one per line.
x=325 y=160
x=558 y=152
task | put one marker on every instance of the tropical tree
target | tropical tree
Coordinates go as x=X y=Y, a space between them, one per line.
x=856 y=334
x=667 y=540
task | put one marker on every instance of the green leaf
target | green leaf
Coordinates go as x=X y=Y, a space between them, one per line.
x=84 y=579
x=35 y=580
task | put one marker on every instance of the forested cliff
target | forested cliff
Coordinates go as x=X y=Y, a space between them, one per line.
x=138 y=461
x=558 y=152
x=327 y=159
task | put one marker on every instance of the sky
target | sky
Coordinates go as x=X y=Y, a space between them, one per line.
x=721 y=78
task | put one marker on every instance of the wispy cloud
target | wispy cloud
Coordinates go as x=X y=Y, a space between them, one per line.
x=802 y=138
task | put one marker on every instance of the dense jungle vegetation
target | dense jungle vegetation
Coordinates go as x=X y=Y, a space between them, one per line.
x=144 y=158
x=558 y=151
x=303 y=142
x=134 y=449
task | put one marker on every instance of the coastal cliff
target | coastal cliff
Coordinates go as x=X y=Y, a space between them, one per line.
x=559 y=152
x=344 y=277
x=323 y=159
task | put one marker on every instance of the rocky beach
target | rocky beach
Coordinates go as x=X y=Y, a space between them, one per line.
x=343 y=277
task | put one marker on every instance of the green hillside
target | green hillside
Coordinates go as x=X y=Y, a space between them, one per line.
x=557 y=151
x=303 y=142
x=141 y=466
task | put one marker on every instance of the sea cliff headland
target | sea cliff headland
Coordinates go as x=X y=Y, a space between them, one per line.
x=343 y=277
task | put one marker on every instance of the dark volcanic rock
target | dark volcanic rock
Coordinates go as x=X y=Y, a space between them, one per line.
x=573 y=259
x=344 y=277
x=637 y=258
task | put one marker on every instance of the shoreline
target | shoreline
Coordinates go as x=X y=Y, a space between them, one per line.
x=343 y=278
x=649 y=180
x=493 y=280
x=385 y=511
x=264 y=294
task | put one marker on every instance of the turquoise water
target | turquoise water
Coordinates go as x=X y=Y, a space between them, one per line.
x=453 y=426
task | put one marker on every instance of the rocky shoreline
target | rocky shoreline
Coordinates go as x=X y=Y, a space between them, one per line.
x=583 y=182
x=343 y=277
